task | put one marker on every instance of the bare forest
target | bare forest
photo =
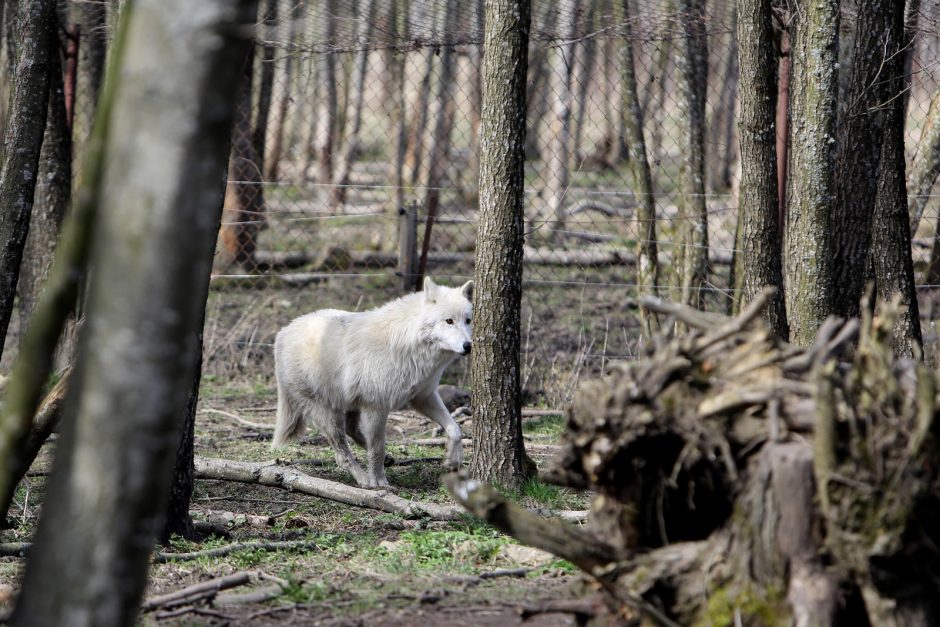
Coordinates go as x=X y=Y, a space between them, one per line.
x=704 y=245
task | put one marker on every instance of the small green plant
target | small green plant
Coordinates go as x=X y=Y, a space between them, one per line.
x=552 y=425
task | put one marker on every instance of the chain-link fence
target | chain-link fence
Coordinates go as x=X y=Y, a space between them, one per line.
x=354 y=168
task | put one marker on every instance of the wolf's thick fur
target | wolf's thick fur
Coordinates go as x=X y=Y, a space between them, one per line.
x=343 y=372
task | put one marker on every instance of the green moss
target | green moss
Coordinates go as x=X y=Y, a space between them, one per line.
x=765 y=607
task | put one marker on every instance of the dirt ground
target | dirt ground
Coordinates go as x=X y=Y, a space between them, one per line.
x=357 y=566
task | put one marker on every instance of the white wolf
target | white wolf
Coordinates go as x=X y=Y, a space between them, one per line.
x=343 y=372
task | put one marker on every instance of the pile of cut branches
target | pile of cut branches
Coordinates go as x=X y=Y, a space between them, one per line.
x=739 y=479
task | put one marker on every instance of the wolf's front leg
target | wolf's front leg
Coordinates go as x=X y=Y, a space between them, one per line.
x=372 y=428
x=433 y=407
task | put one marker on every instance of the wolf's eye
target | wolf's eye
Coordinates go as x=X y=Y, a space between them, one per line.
x=449 y=321
x=468 y=320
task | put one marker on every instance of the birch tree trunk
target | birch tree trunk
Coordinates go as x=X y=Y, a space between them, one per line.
x=25 y=127
x=690 y=261
x=647 y=267
x=558 y=161
x=356 y=96
x=498 y=454
x=760 y=241
x=808 y=257
x=926 y=165
x=165 y=157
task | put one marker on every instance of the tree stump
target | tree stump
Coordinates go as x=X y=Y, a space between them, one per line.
x=740 y=480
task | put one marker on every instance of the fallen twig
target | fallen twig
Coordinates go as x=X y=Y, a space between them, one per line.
x=238 y=419
x=195 y=592
x=163 y=557
x=494 y=574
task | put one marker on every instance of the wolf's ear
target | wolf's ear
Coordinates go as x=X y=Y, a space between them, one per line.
x=467 y=290
x=430 y=290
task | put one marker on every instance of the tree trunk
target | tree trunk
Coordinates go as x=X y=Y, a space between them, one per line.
x=277 y=130
x=245 y=207
x=325 y=66
x=537 y=87
x=396 y=101
x=111 y=478
x=647 y=275
x=414 y=155
x=25 y=127
x=347 y=154
x=91 y=18
x=179 y=522
x=760 y=243
x=52 y=196
x=557 y=171
x=808 y=257
x=690 y=262
x=498 y=453
x=267 y=30
x=891 y=234
x=723 y=117
x=582 y=79
x=860 y=142
x=439 y=151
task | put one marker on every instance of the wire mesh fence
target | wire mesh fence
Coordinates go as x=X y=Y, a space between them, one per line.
x=355 y=160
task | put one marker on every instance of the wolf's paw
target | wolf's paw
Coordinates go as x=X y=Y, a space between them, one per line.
x=379 y=483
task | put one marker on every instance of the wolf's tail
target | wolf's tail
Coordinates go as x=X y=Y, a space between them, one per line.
x=289 y=423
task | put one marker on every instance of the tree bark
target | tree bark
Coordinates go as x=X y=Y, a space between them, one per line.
x=891 y=234
x=808 y=257
x=179 y=521
x=25 y=127
x=165 y=156
x=647 y=276
x=760 y=243
x=52 y=196
x=287 y=31
x=690 y=262
x=268 y=30
x=860 y=141
x=498 y=454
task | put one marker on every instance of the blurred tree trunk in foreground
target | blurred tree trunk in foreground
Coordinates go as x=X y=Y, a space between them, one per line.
x=498 y=453
x=165 y=156
x=25 y=127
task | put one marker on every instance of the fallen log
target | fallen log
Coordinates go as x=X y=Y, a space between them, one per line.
x=196 y=592
x=279 y=475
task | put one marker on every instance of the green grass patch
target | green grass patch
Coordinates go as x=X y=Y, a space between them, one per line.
x=553 y=425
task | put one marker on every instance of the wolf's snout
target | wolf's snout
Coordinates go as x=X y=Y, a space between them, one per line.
x=466 y=348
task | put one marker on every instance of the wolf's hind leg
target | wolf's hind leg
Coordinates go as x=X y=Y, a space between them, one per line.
x=372 y=427
x=334 y=428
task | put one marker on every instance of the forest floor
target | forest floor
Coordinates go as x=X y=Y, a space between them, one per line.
x=344 y=565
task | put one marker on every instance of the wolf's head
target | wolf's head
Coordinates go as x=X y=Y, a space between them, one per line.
x=447 y=316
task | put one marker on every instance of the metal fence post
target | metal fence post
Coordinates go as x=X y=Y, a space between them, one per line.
x=408 y=246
